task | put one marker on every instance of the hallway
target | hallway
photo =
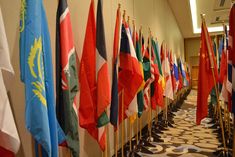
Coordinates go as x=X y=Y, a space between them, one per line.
x=186 y=139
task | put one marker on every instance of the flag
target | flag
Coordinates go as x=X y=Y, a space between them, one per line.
x=147 y=74
x=159 y=79
x=183 y=73
x=168 y=92
x=66 y=78
x=205 y=77
x=172 y=71
x=147 y=77
x=103 y=82
x=116 y=48
x=130 y=76
x=87 y=77
x=180 y=80
x=37 y=75
x=176 y=73
x=182 y=69
x=140 y=95
x=223 y=76
x=231 y=56
x=10 y=142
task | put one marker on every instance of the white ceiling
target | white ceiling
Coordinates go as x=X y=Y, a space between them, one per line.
x=216 y=12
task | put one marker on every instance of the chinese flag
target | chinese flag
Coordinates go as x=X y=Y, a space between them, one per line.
x=205 y=77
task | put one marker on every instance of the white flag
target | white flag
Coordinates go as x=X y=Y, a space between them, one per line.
x=168 y=92
x=8 y=132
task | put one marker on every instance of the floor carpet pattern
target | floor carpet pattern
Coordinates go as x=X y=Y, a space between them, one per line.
x=186 y=139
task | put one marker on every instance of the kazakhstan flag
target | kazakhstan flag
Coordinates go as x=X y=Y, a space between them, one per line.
x=37 y=75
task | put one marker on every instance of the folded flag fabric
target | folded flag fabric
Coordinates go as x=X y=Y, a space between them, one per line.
x=206 y=82
x=116 y=48
x=168 y=92
x=129 y=76
x=103 y=82
x=10 y=142
x=66 y=78
x=37 y=75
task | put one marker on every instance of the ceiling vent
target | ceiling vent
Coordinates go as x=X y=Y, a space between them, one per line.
x=221 y=5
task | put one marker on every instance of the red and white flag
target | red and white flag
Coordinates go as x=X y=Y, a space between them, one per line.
x=168 y=92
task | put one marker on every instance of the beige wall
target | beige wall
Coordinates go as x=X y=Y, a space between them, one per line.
x=155 y=14
x=192 y=48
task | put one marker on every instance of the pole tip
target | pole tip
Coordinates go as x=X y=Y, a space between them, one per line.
x=119 y=5
x=124 y=14
x=203 y=16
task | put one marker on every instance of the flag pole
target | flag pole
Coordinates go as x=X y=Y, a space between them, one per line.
x=227 y=110
x=123 y=121
x=216 y=89
x=166 y=102
x=116 y=142
x=107 y=141
x=134 y=41
x=140 y=119
x=116 y=130
x=150 y=104
x=130 y=124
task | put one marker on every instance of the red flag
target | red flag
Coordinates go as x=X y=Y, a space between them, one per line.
x=88 y=106
x=103 y=83
x=205 y=77
x=231 y=52
x=6 y=153
x=180 y=81
x=130 y=76
x=223 y=67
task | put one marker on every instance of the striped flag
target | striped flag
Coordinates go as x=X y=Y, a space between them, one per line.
x=66 y=78
x=10 y=142
x=130 y=76
x=116 y=49
x=103 y=82
x=149 y=77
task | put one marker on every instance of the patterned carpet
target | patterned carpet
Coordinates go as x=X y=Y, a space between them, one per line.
x=186 y=139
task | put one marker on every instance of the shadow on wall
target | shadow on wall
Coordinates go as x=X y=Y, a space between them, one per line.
x=89 y=146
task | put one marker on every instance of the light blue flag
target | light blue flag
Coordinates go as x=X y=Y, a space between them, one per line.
x=37 y=75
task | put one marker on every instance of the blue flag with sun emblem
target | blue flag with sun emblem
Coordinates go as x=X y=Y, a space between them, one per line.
x=37 y=75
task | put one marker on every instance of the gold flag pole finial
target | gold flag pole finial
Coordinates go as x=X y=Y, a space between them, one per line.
x=203 y=17
x=119 y=5
x=124 y=14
